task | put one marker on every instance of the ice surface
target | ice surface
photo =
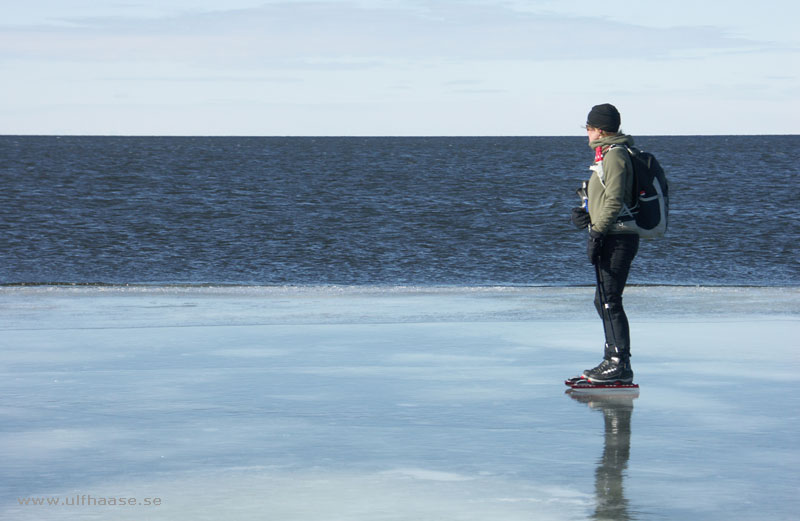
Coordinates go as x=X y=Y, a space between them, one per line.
x=394 y=403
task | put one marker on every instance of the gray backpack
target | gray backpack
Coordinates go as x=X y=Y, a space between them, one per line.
x=649 y=215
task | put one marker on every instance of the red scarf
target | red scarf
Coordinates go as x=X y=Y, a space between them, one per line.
x=598 y=154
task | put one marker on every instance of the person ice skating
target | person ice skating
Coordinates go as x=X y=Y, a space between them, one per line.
x=610 y=249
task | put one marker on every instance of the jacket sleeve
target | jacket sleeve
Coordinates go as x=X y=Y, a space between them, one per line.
x=618 y=179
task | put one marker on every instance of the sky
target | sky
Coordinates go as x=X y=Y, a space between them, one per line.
x=397 y=67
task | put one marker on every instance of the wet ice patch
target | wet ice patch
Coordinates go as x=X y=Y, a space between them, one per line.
x=407 y=494
x=427 y=474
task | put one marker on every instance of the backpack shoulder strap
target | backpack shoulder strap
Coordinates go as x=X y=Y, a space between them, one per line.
x=632 y=153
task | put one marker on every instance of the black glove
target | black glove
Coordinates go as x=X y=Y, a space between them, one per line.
x=595 y=246
x=580 y=217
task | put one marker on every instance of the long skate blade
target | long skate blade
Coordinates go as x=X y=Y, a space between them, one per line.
x=586 y=385
x=569 y=382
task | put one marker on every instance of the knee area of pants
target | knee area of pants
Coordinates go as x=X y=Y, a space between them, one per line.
x=613 y=305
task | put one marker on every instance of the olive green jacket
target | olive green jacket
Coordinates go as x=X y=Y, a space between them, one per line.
x=611 y=184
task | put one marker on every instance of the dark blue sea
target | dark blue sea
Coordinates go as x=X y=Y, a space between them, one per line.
x=379 y=211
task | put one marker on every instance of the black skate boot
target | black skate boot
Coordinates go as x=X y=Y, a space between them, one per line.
x=617 y=369
x=608 y=352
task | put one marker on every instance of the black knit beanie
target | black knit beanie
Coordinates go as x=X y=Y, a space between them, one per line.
x=605 y=117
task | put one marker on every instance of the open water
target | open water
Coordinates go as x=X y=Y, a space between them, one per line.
x=378 y=211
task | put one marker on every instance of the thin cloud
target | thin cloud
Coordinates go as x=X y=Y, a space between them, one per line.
x=293 y=34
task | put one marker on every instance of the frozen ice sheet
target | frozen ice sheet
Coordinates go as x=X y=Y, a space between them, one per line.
x=394 y=403
x=151 y=306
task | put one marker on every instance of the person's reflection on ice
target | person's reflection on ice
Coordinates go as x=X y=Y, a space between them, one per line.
x=617 y=409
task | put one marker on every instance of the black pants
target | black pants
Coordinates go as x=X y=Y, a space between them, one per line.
x=613 y=268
